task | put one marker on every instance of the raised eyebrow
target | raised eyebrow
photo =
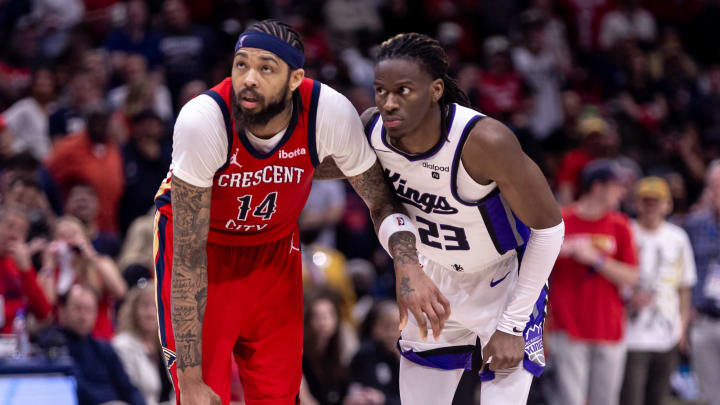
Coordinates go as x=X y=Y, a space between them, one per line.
x=269 y=59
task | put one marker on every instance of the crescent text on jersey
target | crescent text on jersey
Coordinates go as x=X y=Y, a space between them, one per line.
x=273 y=174
x=428 y=203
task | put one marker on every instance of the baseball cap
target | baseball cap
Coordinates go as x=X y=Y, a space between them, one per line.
x=653 y=187
x=600 y=170
x=591 y=125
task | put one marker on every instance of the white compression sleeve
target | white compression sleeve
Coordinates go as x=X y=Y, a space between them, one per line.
x=542 y=249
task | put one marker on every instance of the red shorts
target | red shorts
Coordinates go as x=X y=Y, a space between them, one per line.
x=253 y=313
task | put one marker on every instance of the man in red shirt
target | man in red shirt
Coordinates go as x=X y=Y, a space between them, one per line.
x=587 y=313
x=18 y=286
x=91 y=157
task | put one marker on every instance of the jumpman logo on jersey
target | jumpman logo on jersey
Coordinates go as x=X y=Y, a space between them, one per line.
x=233 y=158
x=292 y=237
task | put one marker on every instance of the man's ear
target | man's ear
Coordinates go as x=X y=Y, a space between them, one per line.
x=296 y=77
x=437 y=89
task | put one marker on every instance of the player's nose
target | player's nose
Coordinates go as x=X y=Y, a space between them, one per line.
x=251 y=78
x=391 y=103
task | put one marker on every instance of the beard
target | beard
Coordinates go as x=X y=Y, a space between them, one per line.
x=269 y=111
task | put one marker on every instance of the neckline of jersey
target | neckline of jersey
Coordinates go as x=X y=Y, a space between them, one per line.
x=430 y=152
x=242 y=135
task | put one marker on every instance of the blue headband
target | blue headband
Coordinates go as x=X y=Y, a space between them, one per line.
x=260 y=40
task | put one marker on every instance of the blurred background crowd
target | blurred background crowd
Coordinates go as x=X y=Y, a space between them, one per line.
x=89 y=90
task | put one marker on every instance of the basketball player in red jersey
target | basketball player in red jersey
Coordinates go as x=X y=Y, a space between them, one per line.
x=228 y=265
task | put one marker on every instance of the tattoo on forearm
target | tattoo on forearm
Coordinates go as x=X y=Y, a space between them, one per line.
x=402 y=247
x=372 y=187
x=405 y=288
x=191 y=218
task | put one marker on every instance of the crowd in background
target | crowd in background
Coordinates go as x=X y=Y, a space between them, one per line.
x=89 y=90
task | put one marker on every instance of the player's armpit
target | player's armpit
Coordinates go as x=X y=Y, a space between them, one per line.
x=328 y=170
x=191 y=223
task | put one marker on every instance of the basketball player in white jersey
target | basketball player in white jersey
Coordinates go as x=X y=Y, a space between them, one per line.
x=489 y=227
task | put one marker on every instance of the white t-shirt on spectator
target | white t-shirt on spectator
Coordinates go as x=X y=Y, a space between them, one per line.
x=28 y=121
x=200 y=143
x=666 y=264
x=618 y=25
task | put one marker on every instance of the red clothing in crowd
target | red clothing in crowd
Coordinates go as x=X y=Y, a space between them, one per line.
x=583 y=303
x=571 y=166
x=20 y=290
x=500 y=93
x=75 y=159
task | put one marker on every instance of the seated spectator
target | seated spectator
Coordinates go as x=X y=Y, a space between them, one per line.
x=91 y=157
x=101 y=377
x=18 y=285
x=323 y=211
x=24 y=165
x=376 y=366
x=146 y=159
x=70 y=259
x=138 y=347
x=69 y=117
x=627 y=21
x=659 y=308
x=136 y=260
x=326 y=376
x=133 y=37
x=28 y=118
x=83 y=204
x=26 y=194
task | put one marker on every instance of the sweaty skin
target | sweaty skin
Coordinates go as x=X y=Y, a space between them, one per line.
x=407 y=98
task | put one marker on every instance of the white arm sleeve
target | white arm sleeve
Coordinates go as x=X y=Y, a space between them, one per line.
x=340 y=134
x=199 y=142
x=541 y=251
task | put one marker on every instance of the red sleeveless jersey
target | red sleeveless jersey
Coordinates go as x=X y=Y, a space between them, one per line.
x=257 y=197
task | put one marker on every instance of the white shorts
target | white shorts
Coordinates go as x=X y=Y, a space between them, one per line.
x=477 y=300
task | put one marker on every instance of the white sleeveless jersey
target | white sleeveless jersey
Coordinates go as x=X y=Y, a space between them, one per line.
x=463 y=225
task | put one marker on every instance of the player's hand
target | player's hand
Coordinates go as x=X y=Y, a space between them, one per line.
x=418 y=294
x=198 y=393
x=506 y=351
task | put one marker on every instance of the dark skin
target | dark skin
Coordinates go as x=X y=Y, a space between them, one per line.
x=407 y=97
x=267 y=75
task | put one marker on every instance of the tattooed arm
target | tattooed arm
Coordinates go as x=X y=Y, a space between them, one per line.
x=415 y=291
x=191 y=223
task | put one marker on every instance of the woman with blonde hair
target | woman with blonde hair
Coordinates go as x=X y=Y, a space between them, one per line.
x=138 y=346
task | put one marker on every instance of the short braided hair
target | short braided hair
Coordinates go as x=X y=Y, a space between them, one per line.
x=281 y=30
x=432 y=58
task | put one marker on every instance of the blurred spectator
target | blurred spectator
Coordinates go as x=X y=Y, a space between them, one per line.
x=542 y=71
x=19 y=289
x=55 y=19
x=90 y=157
x=97 y=64
x=134 y=36
x=324 y=209
x=24 y=165
x=703 y=227
x=25 y=193
x=70 y=259
x=83 y=204
x=141 y=92
x=352 y=21
x=324 y=370
x=556 y=36
x=136 y=260
x=138 y=347
x=187 y=50
x=376 y=366
x=500 y=89
x=189 y=91
x=100 y=375
x=627 y=21
x=597 y=259
x=69 y=117
x=146 y=159
x=597 y=140
x=584 y=17
x=18 y=54
x=659 y=307
x=28 y=118
x=6 y=141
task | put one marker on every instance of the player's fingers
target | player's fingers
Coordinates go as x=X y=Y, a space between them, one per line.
x=403 y=316
x=440 y=310
x=420 y=319
x=434 y=320
x=485 y=356
x=445 y=303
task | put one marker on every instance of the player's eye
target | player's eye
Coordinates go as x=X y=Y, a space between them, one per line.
x=267 y=69
x=379 y=91
x=404 y=90
x=240 y=65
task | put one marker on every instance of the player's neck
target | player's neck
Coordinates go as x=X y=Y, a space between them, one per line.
x=274 y=126
x=426 y=135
